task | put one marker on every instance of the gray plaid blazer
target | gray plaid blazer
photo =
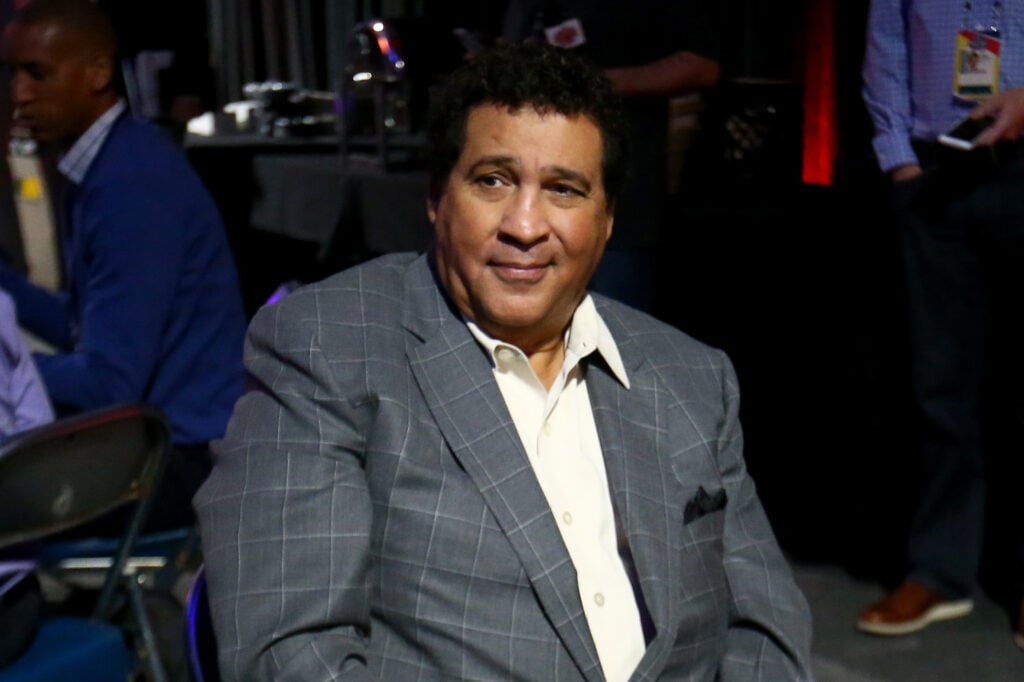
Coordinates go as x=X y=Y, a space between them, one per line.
x=372 y=514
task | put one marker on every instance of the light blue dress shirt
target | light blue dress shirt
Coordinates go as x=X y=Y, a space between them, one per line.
x=909 y=64
x=23 y=399
x=74 y=163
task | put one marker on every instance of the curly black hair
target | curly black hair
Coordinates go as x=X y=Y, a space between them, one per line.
x=521 y=75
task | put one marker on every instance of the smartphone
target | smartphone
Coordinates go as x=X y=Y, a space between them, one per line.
x=964 y=135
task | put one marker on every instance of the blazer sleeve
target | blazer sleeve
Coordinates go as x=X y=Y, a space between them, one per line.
x=132 y=256
x=286 y=513
x=769 y=636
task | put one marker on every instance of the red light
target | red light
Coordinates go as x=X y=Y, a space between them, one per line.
x=819 y=133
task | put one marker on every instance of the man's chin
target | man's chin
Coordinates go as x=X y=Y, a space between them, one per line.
x=524 y=318
x=38 y=135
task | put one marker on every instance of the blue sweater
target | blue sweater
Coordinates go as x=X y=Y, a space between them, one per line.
x=154 y=311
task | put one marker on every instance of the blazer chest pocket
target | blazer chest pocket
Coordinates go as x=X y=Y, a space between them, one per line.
x=704 y=503
x=704 y=526
x=703 y=529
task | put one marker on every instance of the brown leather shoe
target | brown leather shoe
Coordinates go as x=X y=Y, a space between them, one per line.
x=910 y=608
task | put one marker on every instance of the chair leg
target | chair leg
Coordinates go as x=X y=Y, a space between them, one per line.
x=152 y=653
x=182 y=560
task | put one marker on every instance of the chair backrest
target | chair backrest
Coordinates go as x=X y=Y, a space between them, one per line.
x=76 y=469
x=199 y=634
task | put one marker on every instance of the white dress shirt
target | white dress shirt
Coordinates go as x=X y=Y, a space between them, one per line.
x=560 y=437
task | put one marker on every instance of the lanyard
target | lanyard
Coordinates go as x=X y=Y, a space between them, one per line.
x=993 y=28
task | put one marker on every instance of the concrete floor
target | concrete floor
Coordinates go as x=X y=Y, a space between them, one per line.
x=977 y=648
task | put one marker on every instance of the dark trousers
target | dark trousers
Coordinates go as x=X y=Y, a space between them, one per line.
x=962 y=230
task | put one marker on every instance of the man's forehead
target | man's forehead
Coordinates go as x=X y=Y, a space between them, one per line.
x=497 y=130
x=525 y=111
x=41 y=39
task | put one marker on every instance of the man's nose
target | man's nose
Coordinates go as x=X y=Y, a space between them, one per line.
x=525 y=218
x=22 y=89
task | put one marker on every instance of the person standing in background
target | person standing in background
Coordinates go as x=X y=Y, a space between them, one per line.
x=961 y=220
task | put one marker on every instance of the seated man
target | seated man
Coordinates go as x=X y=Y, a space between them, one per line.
x=462 y=466
x=23 y=405
x=152 y=310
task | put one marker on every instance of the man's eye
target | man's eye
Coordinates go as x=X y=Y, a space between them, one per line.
x=490 y=181
x=566 y=190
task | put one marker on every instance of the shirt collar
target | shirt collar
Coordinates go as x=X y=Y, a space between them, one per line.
x=587 y=333
x=75 y=163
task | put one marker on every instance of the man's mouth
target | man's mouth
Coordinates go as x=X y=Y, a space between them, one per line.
x=520 y=272
x=21 y=121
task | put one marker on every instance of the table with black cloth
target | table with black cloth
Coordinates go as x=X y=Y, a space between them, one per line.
x=297 y=210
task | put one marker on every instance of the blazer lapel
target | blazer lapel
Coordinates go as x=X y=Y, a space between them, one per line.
x=628 y=429
x=455 y=377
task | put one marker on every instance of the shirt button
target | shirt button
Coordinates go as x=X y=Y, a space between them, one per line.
x=546 y=428
x=567 y=517
x=599 y=599
x=506 y=354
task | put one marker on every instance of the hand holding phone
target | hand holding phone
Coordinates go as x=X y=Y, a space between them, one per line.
x=964 y=135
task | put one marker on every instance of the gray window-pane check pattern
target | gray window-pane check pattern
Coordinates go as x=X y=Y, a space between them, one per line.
x=372 y=511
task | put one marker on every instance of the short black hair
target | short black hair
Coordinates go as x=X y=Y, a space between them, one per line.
x=525 y=75
x=82 y=17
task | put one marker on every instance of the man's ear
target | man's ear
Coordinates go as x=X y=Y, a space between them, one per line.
x=435 y=193
x=434 y=190
x=99 y=71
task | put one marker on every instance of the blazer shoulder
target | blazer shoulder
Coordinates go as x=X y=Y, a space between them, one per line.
x=347 y=327
x=649 y=335
x=366 y=294
x=384 y=275
x=141 y=158
x=134 y=143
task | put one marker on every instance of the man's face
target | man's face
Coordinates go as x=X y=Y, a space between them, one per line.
x=522 y=222
x=52 y=84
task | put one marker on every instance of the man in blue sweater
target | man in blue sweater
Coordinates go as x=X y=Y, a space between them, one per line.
x=151 y=309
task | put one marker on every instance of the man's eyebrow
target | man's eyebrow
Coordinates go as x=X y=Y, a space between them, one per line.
x=499 y=160
x=570 y=174
x=507 y=161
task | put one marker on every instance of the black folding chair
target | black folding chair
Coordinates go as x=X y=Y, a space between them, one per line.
x=64 y=474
